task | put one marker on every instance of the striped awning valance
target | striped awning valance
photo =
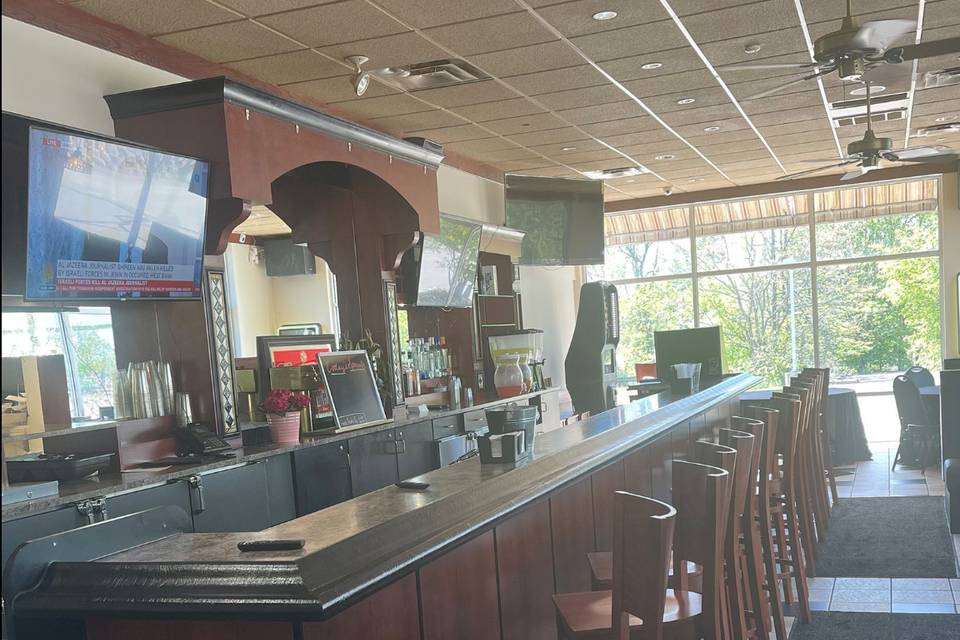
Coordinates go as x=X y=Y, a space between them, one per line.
x=785 y=210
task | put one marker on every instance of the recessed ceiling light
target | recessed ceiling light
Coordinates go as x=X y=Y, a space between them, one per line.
x=567 y=148
x=664 y=156
x=752 y=48
x=525 y=124
x=650 y=66
x=695 y=180
x=862 y=91
x=711 y=128
x=943 y=118
x=604 y=15
x=686 y=100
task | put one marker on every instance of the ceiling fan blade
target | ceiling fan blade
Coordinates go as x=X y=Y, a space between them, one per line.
x=880 y=34
x=776 y=89
x=797 y=174
x=918 y=154
x=822 y=160
x=856 y=173
x=931 y=49
x=746 y=66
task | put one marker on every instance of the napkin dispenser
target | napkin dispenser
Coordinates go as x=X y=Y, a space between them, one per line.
x=502 y=447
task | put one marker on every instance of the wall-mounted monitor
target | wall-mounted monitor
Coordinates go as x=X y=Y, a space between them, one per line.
x=112 y=220
x=562 y=219
x=448 y=264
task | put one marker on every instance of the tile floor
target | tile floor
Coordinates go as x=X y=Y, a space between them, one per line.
x=875 y=479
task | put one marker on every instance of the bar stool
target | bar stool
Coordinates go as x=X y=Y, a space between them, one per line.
x=787 y=502
x=746 y=616
x=809 y=507
x=640 y=569
x=819 y=496
x=826 y=445
x=767 y=575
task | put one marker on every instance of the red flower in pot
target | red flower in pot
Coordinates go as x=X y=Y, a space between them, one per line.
x=283 y=407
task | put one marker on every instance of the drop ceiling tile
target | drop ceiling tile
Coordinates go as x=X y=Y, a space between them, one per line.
x=735 y=76
x=522 y=165
x=337 y=89
x=575 y=18
x=788 y=115
x=527 y=59
x=553 y=136
x=389 y=51
x=778 y=103
x=334 y=23
x=263 y=7
x=736 y=132
x=741 y=21
x=647 y=153
x=752 y=163
x=619 y=127
x=816 y=127
x=517 y=153
x=553 y=172
x=404 y=124
x=819 y=29
x=787 y=40
x=690 y=82
x=601 y=112
x=941 y=14
x=556 y=149
x=456 y=133
x=431 y=13
x=697 y=120
x=941 y=97
x=573 y=158
x=938 y=33
x=296 y=66
x=480 y=146
x=574 y=98
x=152 y=18
x=735 y=147
x=655 y=136
x=468 y=94
x=516 y=107
x=230 y=41
x=824 y=10
x=706 y=100
x=378 y=107
x=939 y=108
x=491 y=34
x=557 y=80
x=688 y=7
x=631 y=41
x=688 y=171
x=600 y=165
x=525 y=124
x=674 y=61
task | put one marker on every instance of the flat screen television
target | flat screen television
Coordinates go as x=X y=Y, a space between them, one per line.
x=448 y=264
x=111 y=220
x=562 y=219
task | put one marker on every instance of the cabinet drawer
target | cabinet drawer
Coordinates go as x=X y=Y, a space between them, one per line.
x=474 y=420
x=449 y=426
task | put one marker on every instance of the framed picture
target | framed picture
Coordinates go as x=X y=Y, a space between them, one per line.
x=289 y=351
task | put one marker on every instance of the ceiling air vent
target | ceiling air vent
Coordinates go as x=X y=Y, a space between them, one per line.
x=619 y=172
x=431 y=75
x=882 y=108
x=942 y=78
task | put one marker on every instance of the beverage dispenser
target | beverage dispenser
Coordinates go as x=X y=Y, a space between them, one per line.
x=591 y=363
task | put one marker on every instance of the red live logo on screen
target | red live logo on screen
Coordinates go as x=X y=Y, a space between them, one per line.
x=52 y=142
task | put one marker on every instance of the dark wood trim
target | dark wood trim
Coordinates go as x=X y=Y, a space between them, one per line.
x=775 y=188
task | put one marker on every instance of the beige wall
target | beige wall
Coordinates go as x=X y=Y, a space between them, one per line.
x=950 y=265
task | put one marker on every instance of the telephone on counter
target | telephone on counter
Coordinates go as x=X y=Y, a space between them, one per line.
x=196 y=438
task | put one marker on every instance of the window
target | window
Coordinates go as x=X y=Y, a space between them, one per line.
x=846 y=278
x=84 y=337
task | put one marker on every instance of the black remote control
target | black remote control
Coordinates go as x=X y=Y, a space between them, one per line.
x=270 y=545
x=416 y=485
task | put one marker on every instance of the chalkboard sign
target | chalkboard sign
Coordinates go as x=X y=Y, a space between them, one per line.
x=353 y=391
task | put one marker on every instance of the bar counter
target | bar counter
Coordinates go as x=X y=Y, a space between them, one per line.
x=480 y=542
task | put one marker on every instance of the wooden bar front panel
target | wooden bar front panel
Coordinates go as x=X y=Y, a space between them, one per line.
x=605 y=483
x=390 y=614
x=571 y=523
x=525 y=567
x=458 y=593
x=120 y=629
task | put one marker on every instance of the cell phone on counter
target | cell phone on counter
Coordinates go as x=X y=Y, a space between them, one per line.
x=416 y=485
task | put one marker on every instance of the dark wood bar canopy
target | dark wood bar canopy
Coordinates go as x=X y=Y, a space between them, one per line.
x=476 y=545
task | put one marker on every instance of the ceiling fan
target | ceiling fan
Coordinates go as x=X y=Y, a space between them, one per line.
x=854 y=51
x=867 y=152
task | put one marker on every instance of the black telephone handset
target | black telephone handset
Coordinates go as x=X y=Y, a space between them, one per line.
x=195 y=438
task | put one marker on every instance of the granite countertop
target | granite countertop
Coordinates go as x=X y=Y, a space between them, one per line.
x=106 y=484
x=355 y=546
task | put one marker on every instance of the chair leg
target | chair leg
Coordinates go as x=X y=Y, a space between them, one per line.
x=896 y=456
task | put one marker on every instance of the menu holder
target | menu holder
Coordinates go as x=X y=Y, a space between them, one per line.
x=349 y=379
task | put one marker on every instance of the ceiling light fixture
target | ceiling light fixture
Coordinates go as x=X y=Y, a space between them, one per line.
x=686 y=100
x=604 y=15
x=568 y=148
x=943 y=118
x=862 y=91
x=650 y=66
x=664 y=156
x=360 y=78
x=752 y=48
x=695 y=180
x=711 y=128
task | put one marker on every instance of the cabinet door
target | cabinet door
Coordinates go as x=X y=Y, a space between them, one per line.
x=373 y=461
x=16 y=532
x=231 y=499
x=280 y=492
x=321 y=477
x=174 y=493
x=415 y=450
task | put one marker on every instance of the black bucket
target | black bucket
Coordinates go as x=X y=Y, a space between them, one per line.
x=514 y=418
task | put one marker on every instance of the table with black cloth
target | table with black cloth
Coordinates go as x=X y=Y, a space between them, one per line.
x=843 y=423
x=931 y=402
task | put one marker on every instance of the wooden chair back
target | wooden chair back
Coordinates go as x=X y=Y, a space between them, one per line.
x=699 y=494
x=642 y=539
x=744 y=443
x=718 y=455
